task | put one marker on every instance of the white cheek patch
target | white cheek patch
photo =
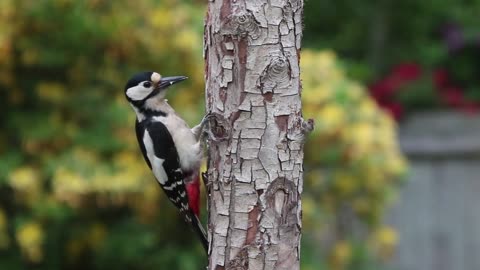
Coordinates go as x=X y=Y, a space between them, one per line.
x=155 y=77
x=138 y=92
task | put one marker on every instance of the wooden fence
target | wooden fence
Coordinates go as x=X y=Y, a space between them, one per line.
x=438 y=212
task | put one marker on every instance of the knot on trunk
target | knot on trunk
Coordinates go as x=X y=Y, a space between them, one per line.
x=276 y=75
x=282 y=196
x=242 y=24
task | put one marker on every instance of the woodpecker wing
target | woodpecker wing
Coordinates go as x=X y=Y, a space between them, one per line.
x=160 y=153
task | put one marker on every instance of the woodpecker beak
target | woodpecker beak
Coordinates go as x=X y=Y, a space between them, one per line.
x=167 y=81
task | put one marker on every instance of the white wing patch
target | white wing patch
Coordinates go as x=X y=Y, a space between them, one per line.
x=138 y=92
x=157 y=163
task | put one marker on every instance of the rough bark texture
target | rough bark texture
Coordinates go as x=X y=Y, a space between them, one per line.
x=255 y=173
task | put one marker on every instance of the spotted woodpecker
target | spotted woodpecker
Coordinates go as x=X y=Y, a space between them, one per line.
x=171 y=149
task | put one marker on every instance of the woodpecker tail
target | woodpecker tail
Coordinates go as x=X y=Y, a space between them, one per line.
x=198 y=228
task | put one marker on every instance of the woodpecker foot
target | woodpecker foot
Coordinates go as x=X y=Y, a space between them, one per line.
x=205 y=178
x=219 y=128
x=199 y=129
x=308 y=126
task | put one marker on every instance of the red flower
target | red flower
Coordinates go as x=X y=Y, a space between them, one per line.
x=470 y=107
x=395 y=109
x=407 y=71
x=401 y=75
x=452 y=96
x=440 y=78
x=383 y=89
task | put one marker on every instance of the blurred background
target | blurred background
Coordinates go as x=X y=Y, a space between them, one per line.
x=386 y=82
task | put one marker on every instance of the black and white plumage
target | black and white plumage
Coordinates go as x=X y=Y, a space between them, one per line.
x=171 y=149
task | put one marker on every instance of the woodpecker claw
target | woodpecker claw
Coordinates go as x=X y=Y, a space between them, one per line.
x=208 y=116
x=205 y=179
x=308 y=126
x=217 y=127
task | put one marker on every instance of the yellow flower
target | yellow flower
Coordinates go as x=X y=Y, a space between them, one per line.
x=316 y=179
x=374 y=179
x=396 y=165
x=66 y=182
x=4 y=238
x=161 y=18
x=51 y=91
x=29 y=57
x=6 y=8
x=385 y=241
x=386 y=139
x=387 y=236
x=361 y=205
x=30 y=238
x=85 y=156
x=186 y=39
x=367 y=109
x=3 y=220
x=341 y=254
x=96 y=235
x=319 y=68
x=308 y=206
x=356 y=92
x=361 y=135
x=125 y=159
x=25 y=179
x=326 y=58
x=128 y=181
x=146 y=204
x=316 y=95
x=345 y=183
x=331 y=117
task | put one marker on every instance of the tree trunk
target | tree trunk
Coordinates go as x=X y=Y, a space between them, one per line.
x=255 y=174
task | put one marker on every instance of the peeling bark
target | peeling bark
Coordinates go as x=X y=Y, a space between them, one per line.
x=255 y=175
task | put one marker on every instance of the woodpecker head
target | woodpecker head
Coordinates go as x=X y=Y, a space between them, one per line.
x=145 y=89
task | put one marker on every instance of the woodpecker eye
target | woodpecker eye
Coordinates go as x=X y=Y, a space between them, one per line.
x=147 y=84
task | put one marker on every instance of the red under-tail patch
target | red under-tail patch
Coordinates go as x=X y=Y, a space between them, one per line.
x=193 y=190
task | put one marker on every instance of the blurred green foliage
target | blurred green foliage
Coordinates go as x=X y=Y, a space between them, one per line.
x=376 y=35
x=74 y=190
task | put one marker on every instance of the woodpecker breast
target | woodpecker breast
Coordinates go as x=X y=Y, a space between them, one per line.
x=188 y=148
